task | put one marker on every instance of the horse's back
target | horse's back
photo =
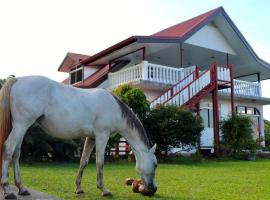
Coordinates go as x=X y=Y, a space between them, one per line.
x=66 y=111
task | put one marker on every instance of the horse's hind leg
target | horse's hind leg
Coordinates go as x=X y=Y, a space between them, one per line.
x=87 y=150
x=101 y=142
x=16 y=168
x=15 y=137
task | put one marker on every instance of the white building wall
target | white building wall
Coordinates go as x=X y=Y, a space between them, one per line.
x=88 y=71
x=210 y=37
x=152 y=94
x=225 y=109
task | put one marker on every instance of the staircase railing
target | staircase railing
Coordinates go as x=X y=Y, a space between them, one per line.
x=181 y=93
x=176 y=88
x=186 y=93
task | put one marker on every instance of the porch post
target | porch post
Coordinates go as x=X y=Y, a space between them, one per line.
x=261 y=127
x=143 y=53
x=144 y=70
x=181 y=55
x=259 y=77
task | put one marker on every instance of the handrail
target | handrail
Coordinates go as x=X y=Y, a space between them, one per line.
x=189 y=85
x=171 y=88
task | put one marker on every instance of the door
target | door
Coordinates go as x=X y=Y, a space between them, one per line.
x=207 y=136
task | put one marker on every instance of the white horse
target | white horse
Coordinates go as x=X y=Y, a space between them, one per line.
x=68 y=112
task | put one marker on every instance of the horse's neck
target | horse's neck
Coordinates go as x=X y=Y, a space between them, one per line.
x=134 y=140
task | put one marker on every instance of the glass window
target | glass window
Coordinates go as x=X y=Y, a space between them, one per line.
x=250 y=111
x=204 y=116
x=207 y=117
x=211 y=119
x=76 y=76
x=241 y=109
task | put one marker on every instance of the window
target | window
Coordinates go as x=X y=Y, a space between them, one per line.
x=250 y=111
x=76 y=75
x=241 y=109
x=247 y=110
x=207 y=116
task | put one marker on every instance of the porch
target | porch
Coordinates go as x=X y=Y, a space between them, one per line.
x=160 y=77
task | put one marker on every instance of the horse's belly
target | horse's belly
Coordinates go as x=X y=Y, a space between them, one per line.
x=66 y=129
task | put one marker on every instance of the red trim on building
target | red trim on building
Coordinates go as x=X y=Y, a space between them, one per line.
x=95 y=79
x=109 y=50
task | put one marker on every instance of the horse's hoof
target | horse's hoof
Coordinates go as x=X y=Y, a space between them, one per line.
x=10 y=196
x=107 y=194
x=79 y=191
x=24 y=192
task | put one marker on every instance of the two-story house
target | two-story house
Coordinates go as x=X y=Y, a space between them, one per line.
x=204 y=63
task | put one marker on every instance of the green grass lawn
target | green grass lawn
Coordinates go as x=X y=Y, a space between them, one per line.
x=207 y=180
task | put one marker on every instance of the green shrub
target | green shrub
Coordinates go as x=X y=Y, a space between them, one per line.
x=237 y=134
x=171 y=126
x=134 y=98
x=267 y=133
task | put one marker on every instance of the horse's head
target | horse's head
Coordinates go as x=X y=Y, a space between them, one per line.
x=146 y=166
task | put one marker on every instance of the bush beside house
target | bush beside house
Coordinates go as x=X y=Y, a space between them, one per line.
x=173 y=127
x=237 y=135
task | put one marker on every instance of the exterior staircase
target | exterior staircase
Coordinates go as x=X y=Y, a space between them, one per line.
x=189 y=91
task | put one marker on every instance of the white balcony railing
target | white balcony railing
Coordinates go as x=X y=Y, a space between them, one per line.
x=149 y=72
x=245 y=88
x=170 y=75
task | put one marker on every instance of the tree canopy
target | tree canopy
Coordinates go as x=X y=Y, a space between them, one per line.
x=171 y=126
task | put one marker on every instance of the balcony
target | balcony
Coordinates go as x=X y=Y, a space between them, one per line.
x=158 y=74
x=149 y=72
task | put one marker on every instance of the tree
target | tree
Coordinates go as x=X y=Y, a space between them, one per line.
x=172 y=127
x=237 y=133
x=2 y=81
x=134 y=98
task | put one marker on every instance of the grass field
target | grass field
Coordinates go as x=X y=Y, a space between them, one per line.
x=199 y=181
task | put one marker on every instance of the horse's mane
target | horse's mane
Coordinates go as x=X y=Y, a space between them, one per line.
x=132 y=120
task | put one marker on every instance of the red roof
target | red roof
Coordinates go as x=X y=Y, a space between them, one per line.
x=184 y=28
x=70 y=60
x=178 y=31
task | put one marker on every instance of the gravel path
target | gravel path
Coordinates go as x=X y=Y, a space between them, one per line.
x=35 y=195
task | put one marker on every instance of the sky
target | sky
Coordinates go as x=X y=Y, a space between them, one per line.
x=35 y=35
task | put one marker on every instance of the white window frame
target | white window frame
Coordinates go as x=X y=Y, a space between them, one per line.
x=74 y=71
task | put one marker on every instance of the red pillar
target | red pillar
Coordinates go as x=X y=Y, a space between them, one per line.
x=117 y=149
x=232 y=88
x=215 y=107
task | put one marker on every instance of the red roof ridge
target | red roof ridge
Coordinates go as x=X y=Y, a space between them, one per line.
x=183 y=28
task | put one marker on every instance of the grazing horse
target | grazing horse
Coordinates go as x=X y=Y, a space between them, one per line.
x=67 y=112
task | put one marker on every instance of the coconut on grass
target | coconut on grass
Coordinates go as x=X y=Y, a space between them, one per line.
x=139 y=187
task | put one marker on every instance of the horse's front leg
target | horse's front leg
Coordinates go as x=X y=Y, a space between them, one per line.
x=17 y=177
x=101 y=142
x=87 y=150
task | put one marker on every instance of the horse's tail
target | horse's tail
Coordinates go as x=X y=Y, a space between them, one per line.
x=5 y=115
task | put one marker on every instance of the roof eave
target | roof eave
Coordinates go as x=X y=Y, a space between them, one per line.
x=245 y=42
x=109 y=50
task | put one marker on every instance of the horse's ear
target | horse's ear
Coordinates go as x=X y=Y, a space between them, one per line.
x=153 y=149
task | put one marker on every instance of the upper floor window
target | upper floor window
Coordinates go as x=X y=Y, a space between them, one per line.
x=76 y=75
